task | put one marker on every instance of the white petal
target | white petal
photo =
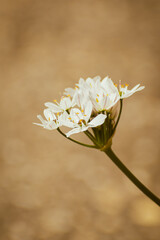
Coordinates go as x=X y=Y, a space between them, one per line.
x=90 y=82
x=109 y=86
x=53 y=125
x=99 y=120
x=140 y=88
x=128 y=93
x=88 y=111
x=84 y=127
x=41 y=119
x=53 y=107
x=63 y=117
x=39 y=124
x=44 y=123
x=49 y=115
x=97 y=78
x=73 y=131
x=65 y=103
x=134 y=88
x=69 y=91
x=113 y=99
x=68 y=124
x=76 y=115
x=81 y=82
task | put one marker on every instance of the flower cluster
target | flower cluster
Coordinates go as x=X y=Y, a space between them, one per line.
x=89 y=105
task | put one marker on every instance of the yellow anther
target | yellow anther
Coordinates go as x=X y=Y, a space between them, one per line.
x=107 y=94
x=85 y=115
x=126 y=85
x=82 y=110
x=49 y=119
x=122 y=86
x=57 y=113
x=69 y=118
x=54 y=100
x=97 y=100
x=77 y=112
x=97 y=95
x=115 y=85
x=68 y=95
x=82 y=121
x=73 y=121
x=90 y=84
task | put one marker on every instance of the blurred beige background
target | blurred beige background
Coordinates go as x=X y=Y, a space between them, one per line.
x=50 y=188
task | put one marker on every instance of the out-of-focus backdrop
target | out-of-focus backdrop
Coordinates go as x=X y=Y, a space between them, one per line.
x=50 y=188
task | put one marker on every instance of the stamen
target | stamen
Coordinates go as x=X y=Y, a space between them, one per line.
x=68 y=95
x=69 y=118
x=115 y=84
x=126 y=85
x=97 y=100
x=82 y=110
x=97 y=95
x=54 y=100
x=49 y=119
x=57 y=113
x=77 y=112
x=82 y=121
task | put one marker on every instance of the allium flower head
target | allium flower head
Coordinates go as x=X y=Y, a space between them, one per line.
x=90 y=105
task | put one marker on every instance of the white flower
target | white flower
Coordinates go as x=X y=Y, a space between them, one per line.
x=81 y=97
x=124 y=92
x=81 y=94
x=105 y=95
x=69 y=91
x=109 y=86
x=65 y=104
x=79 y=120
x=51 y=122
x=89 y=83
x=86 y=106
x=104 y=102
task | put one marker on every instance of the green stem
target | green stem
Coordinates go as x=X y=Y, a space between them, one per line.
x=108 y=126
x=71 y=139
x=104 y=132
x=97 y=135
x=134 y=180
x=92 y=138
x=120 y=111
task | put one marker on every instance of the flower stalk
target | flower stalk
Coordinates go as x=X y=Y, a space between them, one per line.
x=119 y=115
x=130 y=175
x=75 y=141
x=91 y=105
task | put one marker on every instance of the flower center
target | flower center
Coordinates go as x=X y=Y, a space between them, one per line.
x=82 y=121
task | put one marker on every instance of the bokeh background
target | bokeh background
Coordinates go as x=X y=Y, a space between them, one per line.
x=50 y=188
